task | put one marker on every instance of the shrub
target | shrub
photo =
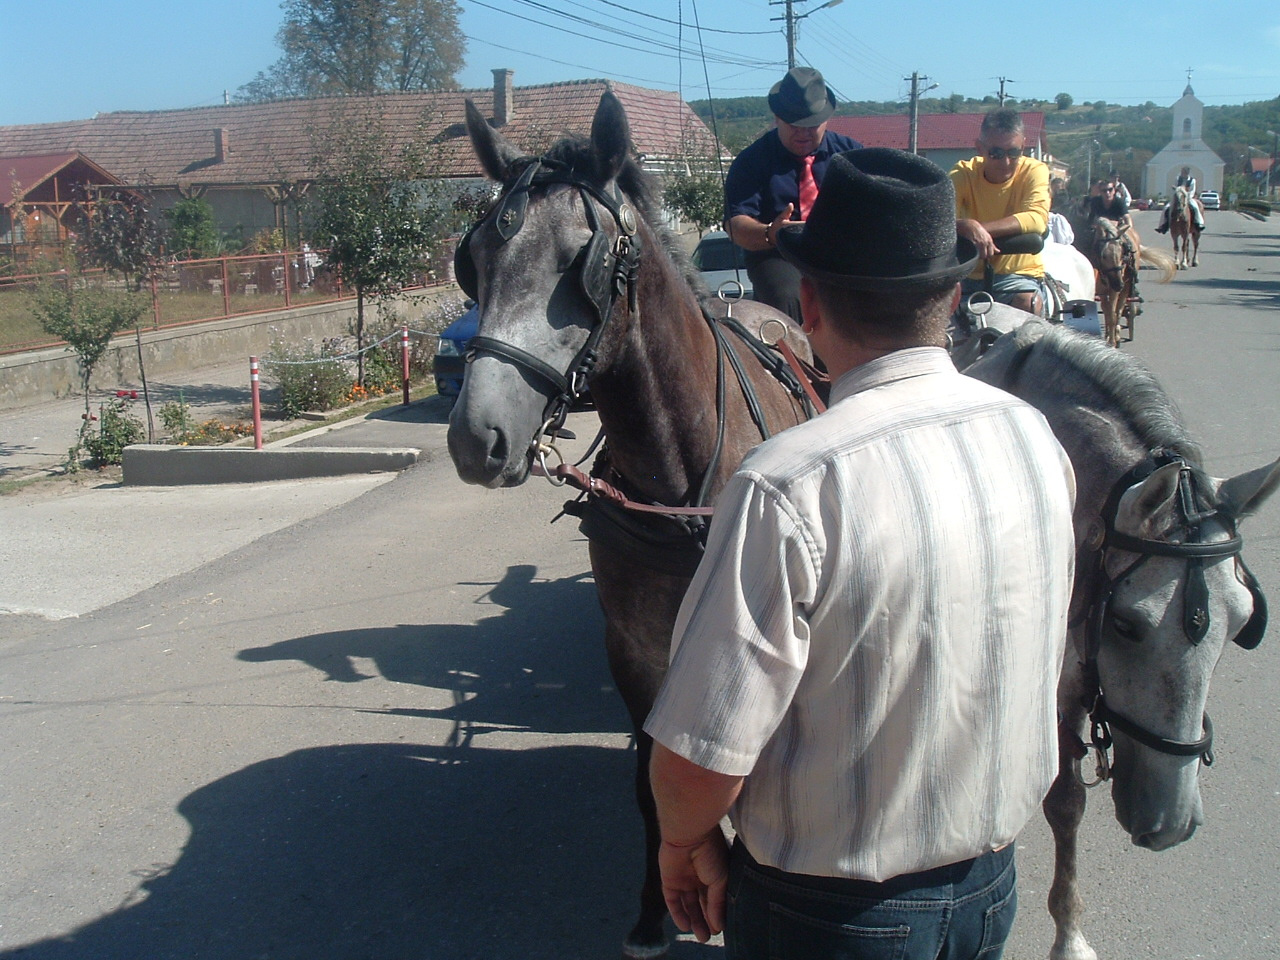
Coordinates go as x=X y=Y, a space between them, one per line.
x=310 y=377
x=117 y=428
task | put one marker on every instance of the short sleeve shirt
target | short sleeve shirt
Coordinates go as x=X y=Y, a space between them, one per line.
x=874 y=636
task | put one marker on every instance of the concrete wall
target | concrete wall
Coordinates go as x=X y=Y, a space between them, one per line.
x=52 y=374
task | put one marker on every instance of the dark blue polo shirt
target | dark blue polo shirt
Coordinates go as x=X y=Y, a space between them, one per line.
x=763 y=178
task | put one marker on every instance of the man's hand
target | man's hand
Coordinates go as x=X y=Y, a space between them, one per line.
x=695 y=883
x=750 y=234
x=778 y=222
x=975 y=231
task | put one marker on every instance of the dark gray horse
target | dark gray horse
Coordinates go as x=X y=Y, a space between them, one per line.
x=577 y=281
x=1160 y=589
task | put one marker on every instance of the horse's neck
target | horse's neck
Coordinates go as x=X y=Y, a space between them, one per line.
x=657 y=399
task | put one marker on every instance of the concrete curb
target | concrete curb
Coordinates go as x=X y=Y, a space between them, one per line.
x=154 y=464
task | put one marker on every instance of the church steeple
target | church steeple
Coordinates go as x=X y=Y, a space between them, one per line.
x=1188 y=92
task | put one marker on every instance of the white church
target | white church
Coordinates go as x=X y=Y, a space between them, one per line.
x=1186 y=149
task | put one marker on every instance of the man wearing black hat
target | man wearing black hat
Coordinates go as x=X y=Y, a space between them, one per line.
x=864 y=670
x=776 y=179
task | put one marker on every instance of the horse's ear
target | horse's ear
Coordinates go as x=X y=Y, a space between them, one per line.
x=494 y=153
x=1242 y=495
x=1152 y=494
x=610 y=137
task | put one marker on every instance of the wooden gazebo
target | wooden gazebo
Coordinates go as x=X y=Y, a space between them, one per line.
x=37 y=194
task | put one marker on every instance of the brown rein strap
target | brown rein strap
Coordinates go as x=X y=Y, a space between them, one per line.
x=805 y=373
x=567 y=473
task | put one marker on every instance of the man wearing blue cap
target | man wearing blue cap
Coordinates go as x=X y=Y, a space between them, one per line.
x=775 y=180
x=864 y=670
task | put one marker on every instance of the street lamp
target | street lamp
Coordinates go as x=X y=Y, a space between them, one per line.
x=791 y=19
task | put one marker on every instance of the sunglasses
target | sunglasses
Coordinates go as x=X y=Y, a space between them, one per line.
x=999 y=153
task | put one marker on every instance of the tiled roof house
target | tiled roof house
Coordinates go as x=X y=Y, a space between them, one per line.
x=251 y=161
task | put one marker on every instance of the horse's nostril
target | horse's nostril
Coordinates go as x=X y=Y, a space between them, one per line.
x=499 y=448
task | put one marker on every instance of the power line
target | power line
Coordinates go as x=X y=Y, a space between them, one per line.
x=677 y=23
x=661 y=41
x=612 y=73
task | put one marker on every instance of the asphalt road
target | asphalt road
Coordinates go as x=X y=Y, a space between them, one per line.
x=388 y=731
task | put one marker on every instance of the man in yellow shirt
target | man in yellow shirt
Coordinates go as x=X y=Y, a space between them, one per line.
x=1001 y=193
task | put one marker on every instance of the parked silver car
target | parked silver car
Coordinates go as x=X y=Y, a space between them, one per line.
x=720 y=259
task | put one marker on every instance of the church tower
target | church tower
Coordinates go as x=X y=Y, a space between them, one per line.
x=1185 y=149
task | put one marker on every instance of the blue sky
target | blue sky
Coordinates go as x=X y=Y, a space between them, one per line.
x=148 y=55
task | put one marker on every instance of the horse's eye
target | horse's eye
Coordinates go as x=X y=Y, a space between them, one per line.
x=1125 y=629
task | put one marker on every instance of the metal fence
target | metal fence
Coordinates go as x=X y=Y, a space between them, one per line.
x=193 y=291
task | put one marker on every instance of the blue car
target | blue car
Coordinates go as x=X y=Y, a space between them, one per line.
x=450 y=362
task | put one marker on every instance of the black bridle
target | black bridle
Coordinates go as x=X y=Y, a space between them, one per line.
x=1195 y=618
x=607 y=268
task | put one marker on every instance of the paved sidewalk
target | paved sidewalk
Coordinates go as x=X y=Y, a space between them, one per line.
x=37 y=438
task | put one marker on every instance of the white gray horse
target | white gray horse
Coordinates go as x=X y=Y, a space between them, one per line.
x=1160 y=589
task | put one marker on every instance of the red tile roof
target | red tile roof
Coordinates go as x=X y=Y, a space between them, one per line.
x=20 y=176
x=273 y=142
x=934 y=131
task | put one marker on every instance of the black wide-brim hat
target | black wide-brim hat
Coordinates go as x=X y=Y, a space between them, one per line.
x=883 y=220
x=802 y=98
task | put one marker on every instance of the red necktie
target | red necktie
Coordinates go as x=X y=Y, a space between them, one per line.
x=808 y=187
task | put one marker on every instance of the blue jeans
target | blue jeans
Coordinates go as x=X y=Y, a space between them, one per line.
x=1006 y=286
x=963 y=911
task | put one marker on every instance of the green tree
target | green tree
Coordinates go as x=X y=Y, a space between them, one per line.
x=1064 y=100
x=697 y=197
x=192 y=229
x=336 y=47
x=86 y=317
x=376 y=210
x=121 y=236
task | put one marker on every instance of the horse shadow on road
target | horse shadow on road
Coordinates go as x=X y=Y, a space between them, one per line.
x=538 y=665
x=382 y=851
x=389 y=851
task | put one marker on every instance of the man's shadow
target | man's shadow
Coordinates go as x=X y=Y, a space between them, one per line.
x=537 y=664
x=389 y=851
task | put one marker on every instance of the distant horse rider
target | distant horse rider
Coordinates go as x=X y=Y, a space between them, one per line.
x=1106 y=202
x=1187 y=181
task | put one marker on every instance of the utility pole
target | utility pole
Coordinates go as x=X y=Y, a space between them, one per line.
x=914 y=112
x=791 y=17
x=1003 y=81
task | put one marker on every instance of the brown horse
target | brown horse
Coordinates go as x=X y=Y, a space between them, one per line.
x=1117 y=252
x=1183 y=229
x=577 y=279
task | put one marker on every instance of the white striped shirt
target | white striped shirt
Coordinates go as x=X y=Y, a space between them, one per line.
x=875 y=634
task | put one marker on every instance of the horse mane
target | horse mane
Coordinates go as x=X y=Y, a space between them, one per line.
x=640 y=188
x=1182 y=202
x=1119 y=380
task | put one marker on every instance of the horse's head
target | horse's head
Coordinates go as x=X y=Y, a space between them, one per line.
x=1109 y=244
x=1178 y=592
x=544 y=265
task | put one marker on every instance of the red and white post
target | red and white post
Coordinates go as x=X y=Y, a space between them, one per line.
x=257 y=403
x=404 y=361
